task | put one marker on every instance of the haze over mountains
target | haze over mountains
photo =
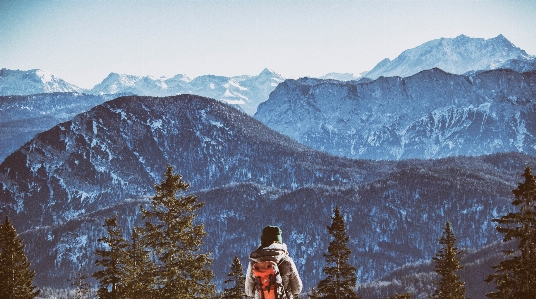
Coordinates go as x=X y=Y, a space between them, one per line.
x=99 y=152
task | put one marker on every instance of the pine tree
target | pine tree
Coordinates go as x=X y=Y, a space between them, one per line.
x=181 y=271
x=516 y=277
x=447 y=264
x=137 y=267
x=237 y=281
x=16 y=277
x=112 y=259
x=341 y=276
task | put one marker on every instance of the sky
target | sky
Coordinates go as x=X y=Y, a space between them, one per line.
x=82 y=41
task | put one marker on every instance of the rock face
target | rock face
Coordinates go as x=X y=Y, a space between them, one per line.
x=59 y=187
x=454 y=55
x=432 y=114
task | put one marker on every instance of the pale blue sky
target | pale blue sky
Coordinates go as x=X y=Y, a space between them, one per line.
x=82 y=41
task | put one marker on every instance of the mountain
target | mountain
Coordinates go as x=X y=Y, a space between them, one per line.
x=454 y=55
x=246 y=92
x=58 y=188
x=120 y=83
x=520 y=65
x=340 y=76
x=17 y=82
x=22 y=117
x=432 y=114
x=123 y=144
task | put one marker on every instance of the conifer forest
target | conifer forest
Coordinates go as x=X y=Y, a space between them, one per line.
x=163 y=257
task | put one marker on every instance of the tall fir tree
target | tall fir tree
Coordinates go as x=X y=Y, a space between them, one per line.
x=237 y=281
x=137 y=267
x=515 y=277
x=112 y=259
x=174 y=240
x=447 y=264
x=16 y=277
x=341 y=277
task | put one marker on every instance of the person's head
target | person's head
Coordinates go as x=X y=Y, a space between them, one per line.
x=271 y=234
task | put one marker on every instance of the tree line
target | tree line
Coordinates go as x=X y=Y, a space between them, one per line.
x=162 y=258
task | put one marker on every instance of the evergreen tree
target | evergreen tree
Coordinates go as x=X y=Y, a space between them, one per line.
x=516 y=277
x=447 y=264
x=112 y=259
x=237 y=281
x=16 y=278
x=341 y=276
x=181 y=271
x=138 y=274
x=401 y=296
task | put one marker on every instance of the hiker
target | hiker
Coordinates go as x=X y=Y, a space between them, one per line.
x=273 y=249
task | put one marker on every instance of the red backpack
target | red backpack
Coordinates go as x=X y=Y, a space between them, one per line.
x=269 y=282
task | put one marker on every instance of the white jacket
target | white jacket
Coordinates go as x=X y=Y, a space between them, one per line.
x=289 y=273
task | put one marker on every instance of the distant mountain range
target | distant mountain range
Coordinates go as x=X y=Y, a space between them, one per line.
x=457 y=56
x=60 y=186
x=16 y=82
x=432 y=114
x=247 y=92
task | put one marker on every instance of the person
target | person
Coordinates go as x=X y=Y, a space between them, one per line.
x=273 y=248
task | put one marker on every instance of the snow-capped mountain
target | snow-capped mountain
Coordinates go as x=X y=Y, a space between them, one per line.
x=246 y=92
x=454 y=55
x=129 y=84
x=431 y=114
x=17 y=82
x=520 y=65
x=60 y=186
x=340 y=76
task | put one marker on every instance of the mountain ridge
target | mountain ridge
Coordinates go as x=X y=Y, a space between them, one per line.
x=35 y=81
x=431 y=114
x=454 y=55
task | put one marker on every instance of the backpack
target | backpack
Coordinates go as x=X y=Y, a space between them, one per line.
x=268 y=280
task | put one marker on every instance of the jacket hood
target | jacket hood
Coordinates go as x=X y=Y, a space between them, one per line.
x=275 y=252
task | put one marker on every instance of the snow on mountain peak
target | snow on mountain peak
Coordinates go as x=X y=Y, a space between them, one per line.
x=340 y=76
x=20 y=82
x=45 y=76
x=457 y=55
